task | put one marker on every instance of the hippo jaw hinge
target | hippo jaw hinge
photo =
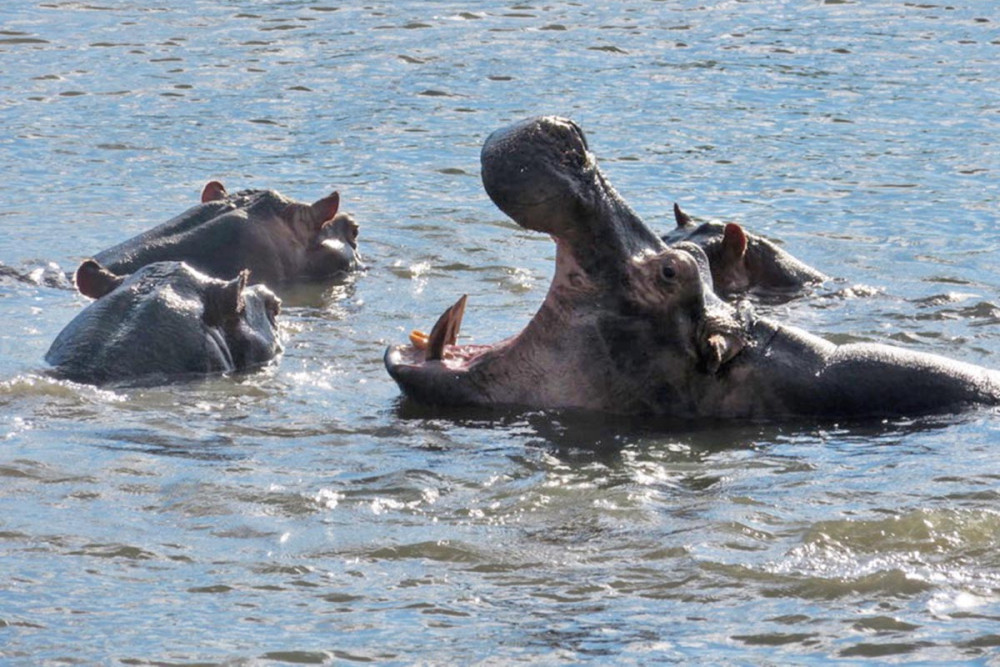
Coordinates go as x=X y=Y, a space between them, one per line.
x=718 y=349
x=721 y=336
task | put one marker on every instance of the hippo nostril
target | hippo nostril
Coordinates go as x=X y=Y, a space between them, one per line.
x=579 y=133
x=566 y=130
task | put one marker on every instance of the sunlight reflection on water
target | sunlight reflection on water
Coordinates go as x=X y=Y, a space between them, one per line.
x=306 y=513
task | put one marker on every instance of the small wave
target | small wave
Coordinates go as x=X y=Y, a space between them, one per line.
x=858 y=292
x=927 y=531
x=444 y=551
x=115 y=551
x=23 y=40
x=979 y=312
x=43 y=386
x=46 y=275
x=923 y=550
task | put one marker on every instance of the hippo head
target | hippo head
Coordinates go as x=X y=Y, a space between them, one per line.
x=628 y=325
x=327 y=241
x=334 y=249
x=165 y=319
x=741 y=261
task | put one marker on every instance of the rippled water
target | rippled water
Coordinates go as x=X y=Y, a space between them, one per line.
x=305 y=514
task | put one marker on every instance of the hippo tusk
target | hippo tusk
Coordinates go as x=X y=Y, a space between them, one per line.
x=418 y=339
x=445 y=331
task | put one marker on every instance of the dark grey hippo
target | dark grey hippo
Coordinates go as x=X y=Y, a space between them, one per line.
x=741 y=261
x=277 y=239
x=165 y=319
x=631 y=325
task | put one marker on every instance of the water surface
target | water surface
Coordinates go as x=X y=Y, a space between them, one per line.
x=306 y=514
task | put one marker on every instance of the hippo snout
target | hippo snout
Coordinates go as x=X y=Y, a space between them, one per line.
x=538 y=170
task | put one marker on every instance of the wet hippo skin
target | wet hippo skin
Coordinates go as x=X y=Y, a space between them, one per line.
x=277 y=239
x=743 y=262
x=631 y=325
x=163 y=321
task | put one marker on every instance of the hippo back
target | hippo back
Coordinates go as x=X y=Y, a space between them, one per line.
x=217 y=237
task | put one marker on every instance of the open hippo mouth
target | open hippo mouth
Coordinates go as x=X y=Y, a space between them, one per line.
x=593 y=335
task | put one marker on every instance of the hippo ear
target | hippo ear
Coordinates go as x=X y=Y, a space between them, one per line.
x=94 y=280
x=734 y=243
x=682 y=218
x=213 y=191
x=324 y=209
x=224 y=302
x=313 y=217
x=719 y=348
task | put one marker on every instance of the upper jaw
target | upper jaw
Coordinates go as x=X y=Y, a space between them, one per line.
x=542 y=174
x=538 y=171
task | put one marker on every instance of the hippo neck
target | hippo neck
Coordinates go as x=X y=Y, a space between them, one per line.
x=607 y=235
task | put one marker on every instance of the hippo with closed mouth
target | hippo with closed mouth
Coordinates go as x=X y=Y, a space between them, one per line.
x=277 y=239
x=166 y=319
x=741 y=261
x=633 y=326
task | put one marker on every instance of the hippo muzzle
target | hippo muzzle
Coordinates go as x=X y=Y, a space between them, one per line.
x=542 y=174
x=539 y=172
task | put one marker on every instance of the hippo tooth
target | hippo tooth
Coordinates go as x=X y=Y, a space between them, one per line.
x=418 y=339
x=445 y=331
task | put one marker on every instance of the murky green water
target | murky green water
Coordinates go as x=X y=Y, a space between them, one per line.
x=305 y=514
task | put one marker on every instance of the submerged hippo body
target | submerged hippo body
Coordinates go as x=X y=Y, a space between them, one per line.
x=166 y=319
x=631 y=325
x=741 y=261
x=277 y=239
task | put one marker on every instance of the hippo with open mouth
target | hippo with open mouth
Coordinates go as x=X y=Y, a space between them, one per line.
x=277 y=239
x=164 y=320
x=633 y=326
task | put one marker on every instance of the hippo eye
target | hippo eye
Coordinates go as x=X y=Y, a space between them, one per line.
x=667 y=272
x=272 y=306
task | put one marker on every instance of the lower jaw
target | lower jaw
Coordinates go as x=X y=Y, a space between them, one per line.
x=440 y=382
